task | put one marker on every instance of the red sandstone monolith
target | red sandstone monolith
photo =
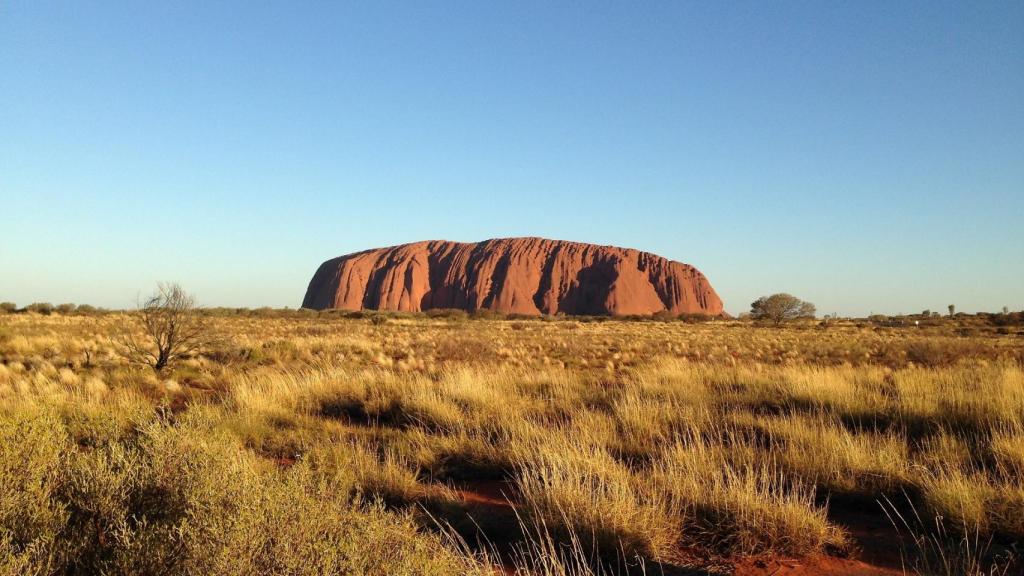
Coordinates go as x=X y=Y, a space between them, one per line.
x=512 y=275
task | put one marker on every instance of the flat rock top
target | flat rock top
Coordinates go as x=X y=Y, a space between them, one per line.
x=512 y=275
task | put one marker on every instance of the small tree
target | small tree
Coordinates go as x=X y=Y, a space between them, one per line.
x=778 y=308
x=952 y=309
x=172 y=328
x=44 y=308
x=8 y=307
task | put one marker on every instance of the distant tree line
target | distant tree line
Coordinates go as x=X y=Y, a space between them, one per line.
x=45 y=308
x=775 y=309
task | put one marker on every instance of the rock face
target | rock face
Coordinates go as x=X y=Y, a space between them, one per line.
x=512 y=275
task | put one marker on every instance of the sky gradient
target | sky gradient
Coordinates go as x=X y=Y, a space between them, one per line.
x=868 y=157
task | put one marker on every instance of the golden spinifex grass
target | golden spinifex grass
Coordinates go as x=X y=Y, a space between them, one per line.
x=322 y=444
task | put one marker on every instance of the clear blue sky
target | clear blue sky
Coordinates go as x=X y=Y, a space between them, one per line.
x=864 y=156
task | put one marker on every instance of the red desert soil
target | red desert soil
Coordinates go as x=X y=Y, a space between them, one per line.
x=530 y=276
x=491 y=504
x=815 y=566
x=489 y=494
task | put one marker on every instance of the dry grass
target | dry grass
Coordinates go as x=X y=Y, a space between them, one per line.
x=317 y=444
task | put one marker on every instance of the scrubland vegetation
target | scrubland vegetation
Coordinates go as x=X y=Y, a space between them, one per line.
x=334 y=443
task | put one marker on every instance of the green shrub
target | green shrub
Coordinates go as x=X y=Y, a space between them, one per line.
x=188 y=499
x=485 y=314
x=447 y=313
x=32 y=446
x=696 y=318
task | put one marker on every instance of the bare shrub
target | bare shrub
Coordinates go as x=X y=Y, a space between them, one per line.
x=172 y=328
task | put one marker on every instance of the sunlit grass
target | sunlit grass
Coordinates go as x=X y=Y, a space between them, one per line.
x=330 y=445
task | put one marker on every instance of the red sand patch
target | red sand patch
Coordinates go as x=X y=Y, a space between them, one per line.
x=487 y=493
x=815 y=565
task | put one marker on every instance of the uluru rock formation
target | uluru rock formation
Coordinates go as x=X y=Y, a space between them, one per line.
x=512 y=275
